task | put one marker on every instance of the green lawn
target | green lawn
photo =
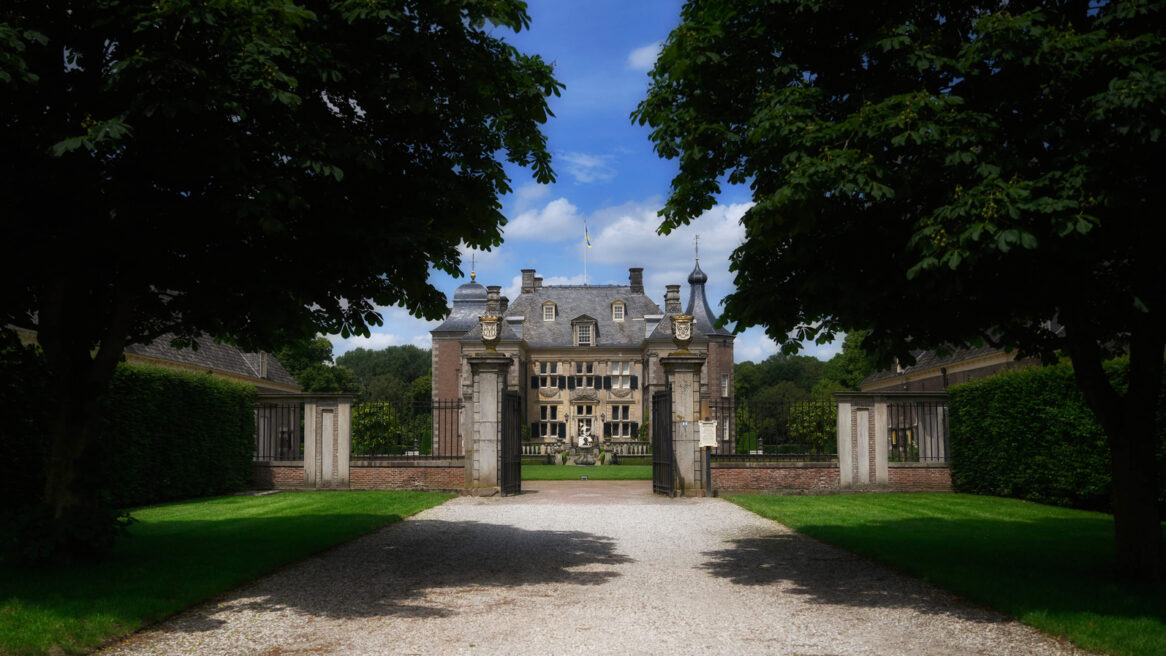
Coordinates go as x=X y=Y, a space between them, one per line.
x=179 y=554
x=572 y=473
x=1049 y=567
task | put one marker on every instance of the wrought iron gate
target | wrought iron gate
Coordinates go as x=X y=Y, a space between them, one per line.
x=510 y=450
x=663 y=460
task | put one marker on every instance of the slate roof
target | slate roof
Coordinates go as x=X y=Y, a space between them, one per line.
x=469 y=303
x=575 y=301
x=703 y=318
x=220 y=357
x=927 y=360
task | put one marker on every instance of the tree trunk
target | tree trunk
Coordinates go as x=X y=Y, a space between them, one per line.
x=79 y=377
x=1130 y=424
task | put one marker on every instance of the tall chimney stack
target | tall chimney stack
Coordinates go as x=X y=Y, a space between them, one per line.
x=538 y=282
x=492 y=293
x=672 y=299
x=527 y=281
x=636 y=277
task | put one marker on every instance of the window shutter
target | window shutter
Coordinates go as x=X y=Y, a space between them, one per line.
x=570 y=382
x=607 y=382
x=635 y=382
x=562 y=382
x=635 y=430
x=534 y=382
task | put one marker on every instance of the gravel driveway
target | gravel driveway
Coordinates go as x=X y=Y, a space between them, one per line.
x=588 y=568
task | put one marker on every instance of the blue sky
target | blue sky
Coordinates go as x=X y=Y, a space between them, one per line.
x=608 y=175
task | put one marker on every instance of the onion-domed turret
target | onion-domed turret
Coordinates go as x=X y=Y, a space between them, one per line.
x=698 y=305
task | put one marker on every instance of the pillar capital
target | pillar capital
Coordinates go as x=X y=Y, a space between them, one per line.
x=678 y=362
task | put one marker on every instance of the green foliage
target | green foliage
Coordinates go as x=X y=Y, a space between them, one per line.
x=783 y=428
x=778 y=377
x=632 y=472
x=23 y=406
x=1028 y=434
x=309 y=361
x=172 y=435
x=935 y=171
x=385 y=429
x=846 y=369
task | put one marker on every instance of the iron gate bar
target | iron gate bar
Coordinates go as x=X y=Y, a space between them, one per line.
x=510 y=448
x=663 y=458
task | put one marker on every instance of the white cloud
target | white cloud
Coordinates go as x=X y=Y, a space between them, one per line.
x=525 y=197
x=556 y=221
x=753 y=346
x=587 y=168
x=643 y=58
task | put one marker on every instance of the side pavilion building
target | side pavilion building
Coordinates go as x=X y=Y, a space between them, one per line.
x=585 y=358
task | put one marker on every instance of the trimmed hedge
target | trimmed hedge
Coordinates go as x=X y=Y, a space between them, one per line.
x=170 y=435
x=1028 y=434
x=165 y=435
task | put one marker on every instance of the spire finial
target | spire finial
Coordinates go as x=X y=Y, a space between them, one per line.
x=696 y=246
x=473 y=265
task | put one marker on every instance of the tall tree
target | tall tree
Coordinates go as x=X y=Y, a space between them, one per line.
x=309 y=361
x=257 y=171
x=941 y=172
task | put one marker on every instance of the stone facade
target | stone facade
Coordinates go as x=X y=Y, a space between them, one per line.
x=584 y=357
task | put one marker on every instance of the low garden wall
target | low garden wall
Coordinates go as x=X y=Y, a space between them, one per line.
x=804 y=477
x=919 y=477
x=278 y=475
x=439 y=475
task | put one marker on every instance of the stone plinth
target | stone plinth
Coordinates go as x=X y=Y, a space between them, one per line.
x=682 y=371
x=484 y=437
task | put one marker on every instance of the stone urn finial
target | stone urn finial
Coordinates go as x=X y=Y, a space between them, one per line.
x=682 y=331
x=491 y=331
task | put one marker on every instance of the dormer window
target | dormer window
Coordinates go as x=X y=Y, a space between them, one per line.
x=583 y=331
x=548 y=311
x=617 y=311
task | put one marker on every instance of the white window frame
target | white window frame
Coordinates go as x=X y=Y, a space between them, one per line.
x=621 y=375
x=618 y=311
x=548 y=375
x=549 y=311
x=579 y=330
x=548 y=418
x=585 y=374
x=621 y=420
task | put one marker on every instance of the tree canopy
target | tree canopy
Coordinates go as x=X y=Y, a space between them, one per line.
x=941 y=173
x=310 y=363
x=257 y=171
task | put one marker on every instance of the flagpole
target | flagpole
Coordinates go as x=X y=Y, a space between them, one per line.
x=586 y=246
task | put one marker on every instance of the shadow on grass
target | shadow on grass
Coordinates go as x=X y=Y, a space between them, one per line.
x=1059 y=568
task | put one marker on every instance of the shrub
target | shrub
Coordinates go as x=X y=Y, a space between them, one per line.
x=1028 y=434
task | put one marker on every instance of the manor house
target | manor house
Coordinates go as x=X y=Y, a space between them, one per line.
x=585 y=357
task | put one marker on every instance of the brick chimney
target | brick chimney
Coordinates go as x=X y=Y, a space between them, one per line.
x=636 y=277
x=538 y=282
x=527 y=281
x=672 y=299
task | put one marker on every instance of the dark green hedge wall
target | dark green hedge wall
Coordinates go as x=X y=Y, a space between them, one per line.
x=1028 y=434
x=170 y=435
x=165 y=435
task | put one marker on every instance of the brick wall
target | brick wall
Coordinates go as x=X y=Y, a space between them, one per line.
x=909 y=477
x=720 y=361
x=362 y=477
x=278 y=477
x=774 y=477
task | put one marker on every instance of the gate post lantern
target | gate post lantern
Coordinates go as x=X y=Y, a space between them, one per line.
x=682 y=372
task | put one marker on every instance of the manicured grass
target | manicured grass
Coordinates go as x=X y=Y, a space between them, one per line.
x=598 y=473
x=1046 y=566
x=180 y=554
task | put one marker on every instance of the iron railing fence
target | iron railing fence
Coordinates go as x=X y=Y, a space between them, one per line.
x=786 y=431
x=917 y=431
x=279 y=431
x=429 y=429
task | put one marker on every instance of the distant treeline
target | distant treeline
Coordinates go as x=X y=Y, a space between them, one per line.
x=783 y=377
x=395 y=374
